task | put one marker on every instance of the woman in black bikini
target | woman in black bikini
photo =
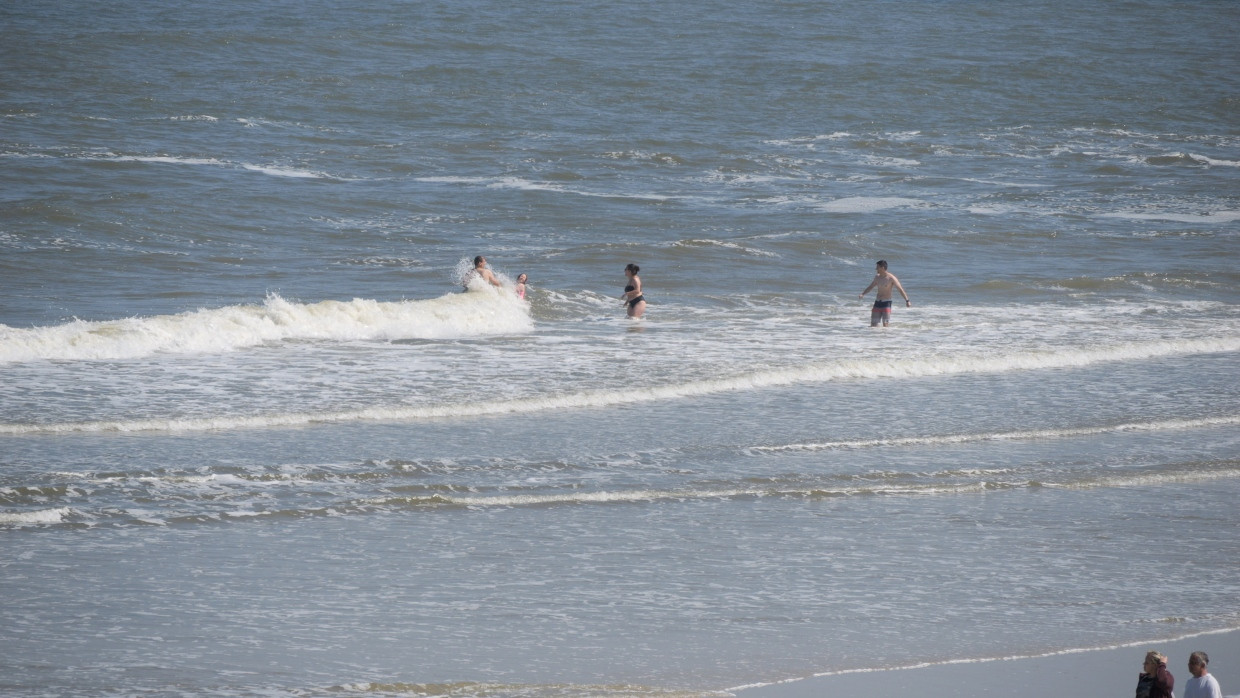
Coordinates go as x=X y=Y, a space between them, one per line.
x=633 y=292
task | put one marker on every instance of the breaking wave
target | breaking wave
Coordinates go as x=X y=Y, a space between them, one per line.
x=481 y=312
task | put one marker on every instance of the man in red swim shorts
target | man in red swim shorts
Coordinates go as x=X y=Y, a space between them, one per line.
x=884 y=281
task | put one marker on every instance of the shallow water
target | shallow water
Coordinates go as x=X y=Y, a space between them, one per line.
x=255 y=440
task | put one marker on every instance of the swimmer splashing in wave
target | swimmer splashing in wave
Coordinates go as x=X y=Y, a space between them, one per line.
x=520 y=288
x=480 y=270
x=633 y=292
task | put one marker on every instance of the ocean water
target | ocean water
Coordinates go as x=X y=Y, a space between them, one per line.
x=255 y=439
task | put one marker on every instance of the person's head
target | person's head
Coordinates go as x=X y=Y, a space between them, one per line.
x=881 y=265
x=521 y=278
x=1154 y=659
x=1197 y=663
x=631 y=270
x=479 y=261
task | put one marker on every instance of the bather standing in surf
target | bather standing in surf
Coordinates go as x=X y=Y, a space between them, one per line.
x=885 y=281
x=633 y=292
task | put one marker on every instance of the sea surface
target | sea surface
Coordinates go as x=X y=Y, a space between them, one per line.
x=257 y=440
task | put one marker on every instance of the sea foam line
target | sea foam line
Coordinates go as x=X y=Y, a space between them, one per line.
x=433 y=500
x=273 y=170
x=522 y=184
x=949 y=439
x=823 y=491
x=819 y=372
x=1213 y=217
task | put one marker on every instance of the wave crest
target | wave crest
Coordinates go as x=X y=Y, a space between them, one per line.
x=481 y=312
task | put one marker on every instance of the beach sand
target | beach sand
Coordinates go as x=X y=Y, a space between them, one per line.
x=1085 y=673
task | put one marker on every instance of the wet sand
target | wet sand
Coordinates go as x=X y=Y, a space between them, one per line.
x=1102 y=672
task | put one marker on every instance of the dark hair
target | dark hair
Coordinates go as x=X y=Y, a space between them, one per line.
x=633 y=268
x=1202 y=658
x=882 y=263
x=479 y=260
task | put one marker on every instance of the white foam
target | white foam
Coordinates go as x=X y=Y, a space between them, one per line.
x=167 y=160
x=1001 y=183
x=866 y=204
x=889 y=161
x=481 y=312
x=848 y=369
x=991 y=210
x=809 y=140
x=858 y=487
x=1171 y=424
x=643 y=495
x=749 y=178
x=522 y=184
x=286 y=172
x=1215 y=217
x=1145 y=479
x=454 y=180
x=726 y=244
x=272 y=170
x=26 y=518
x=1214 y=162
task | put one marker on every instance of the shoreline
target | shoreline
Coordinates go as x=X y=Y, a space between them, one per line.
x=1089 y=671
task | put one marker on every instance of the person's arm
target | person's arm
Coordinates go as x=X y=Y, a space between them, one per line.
x=900 y=288
x=490 y=276
x=867 y=288
x=1162 y=678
